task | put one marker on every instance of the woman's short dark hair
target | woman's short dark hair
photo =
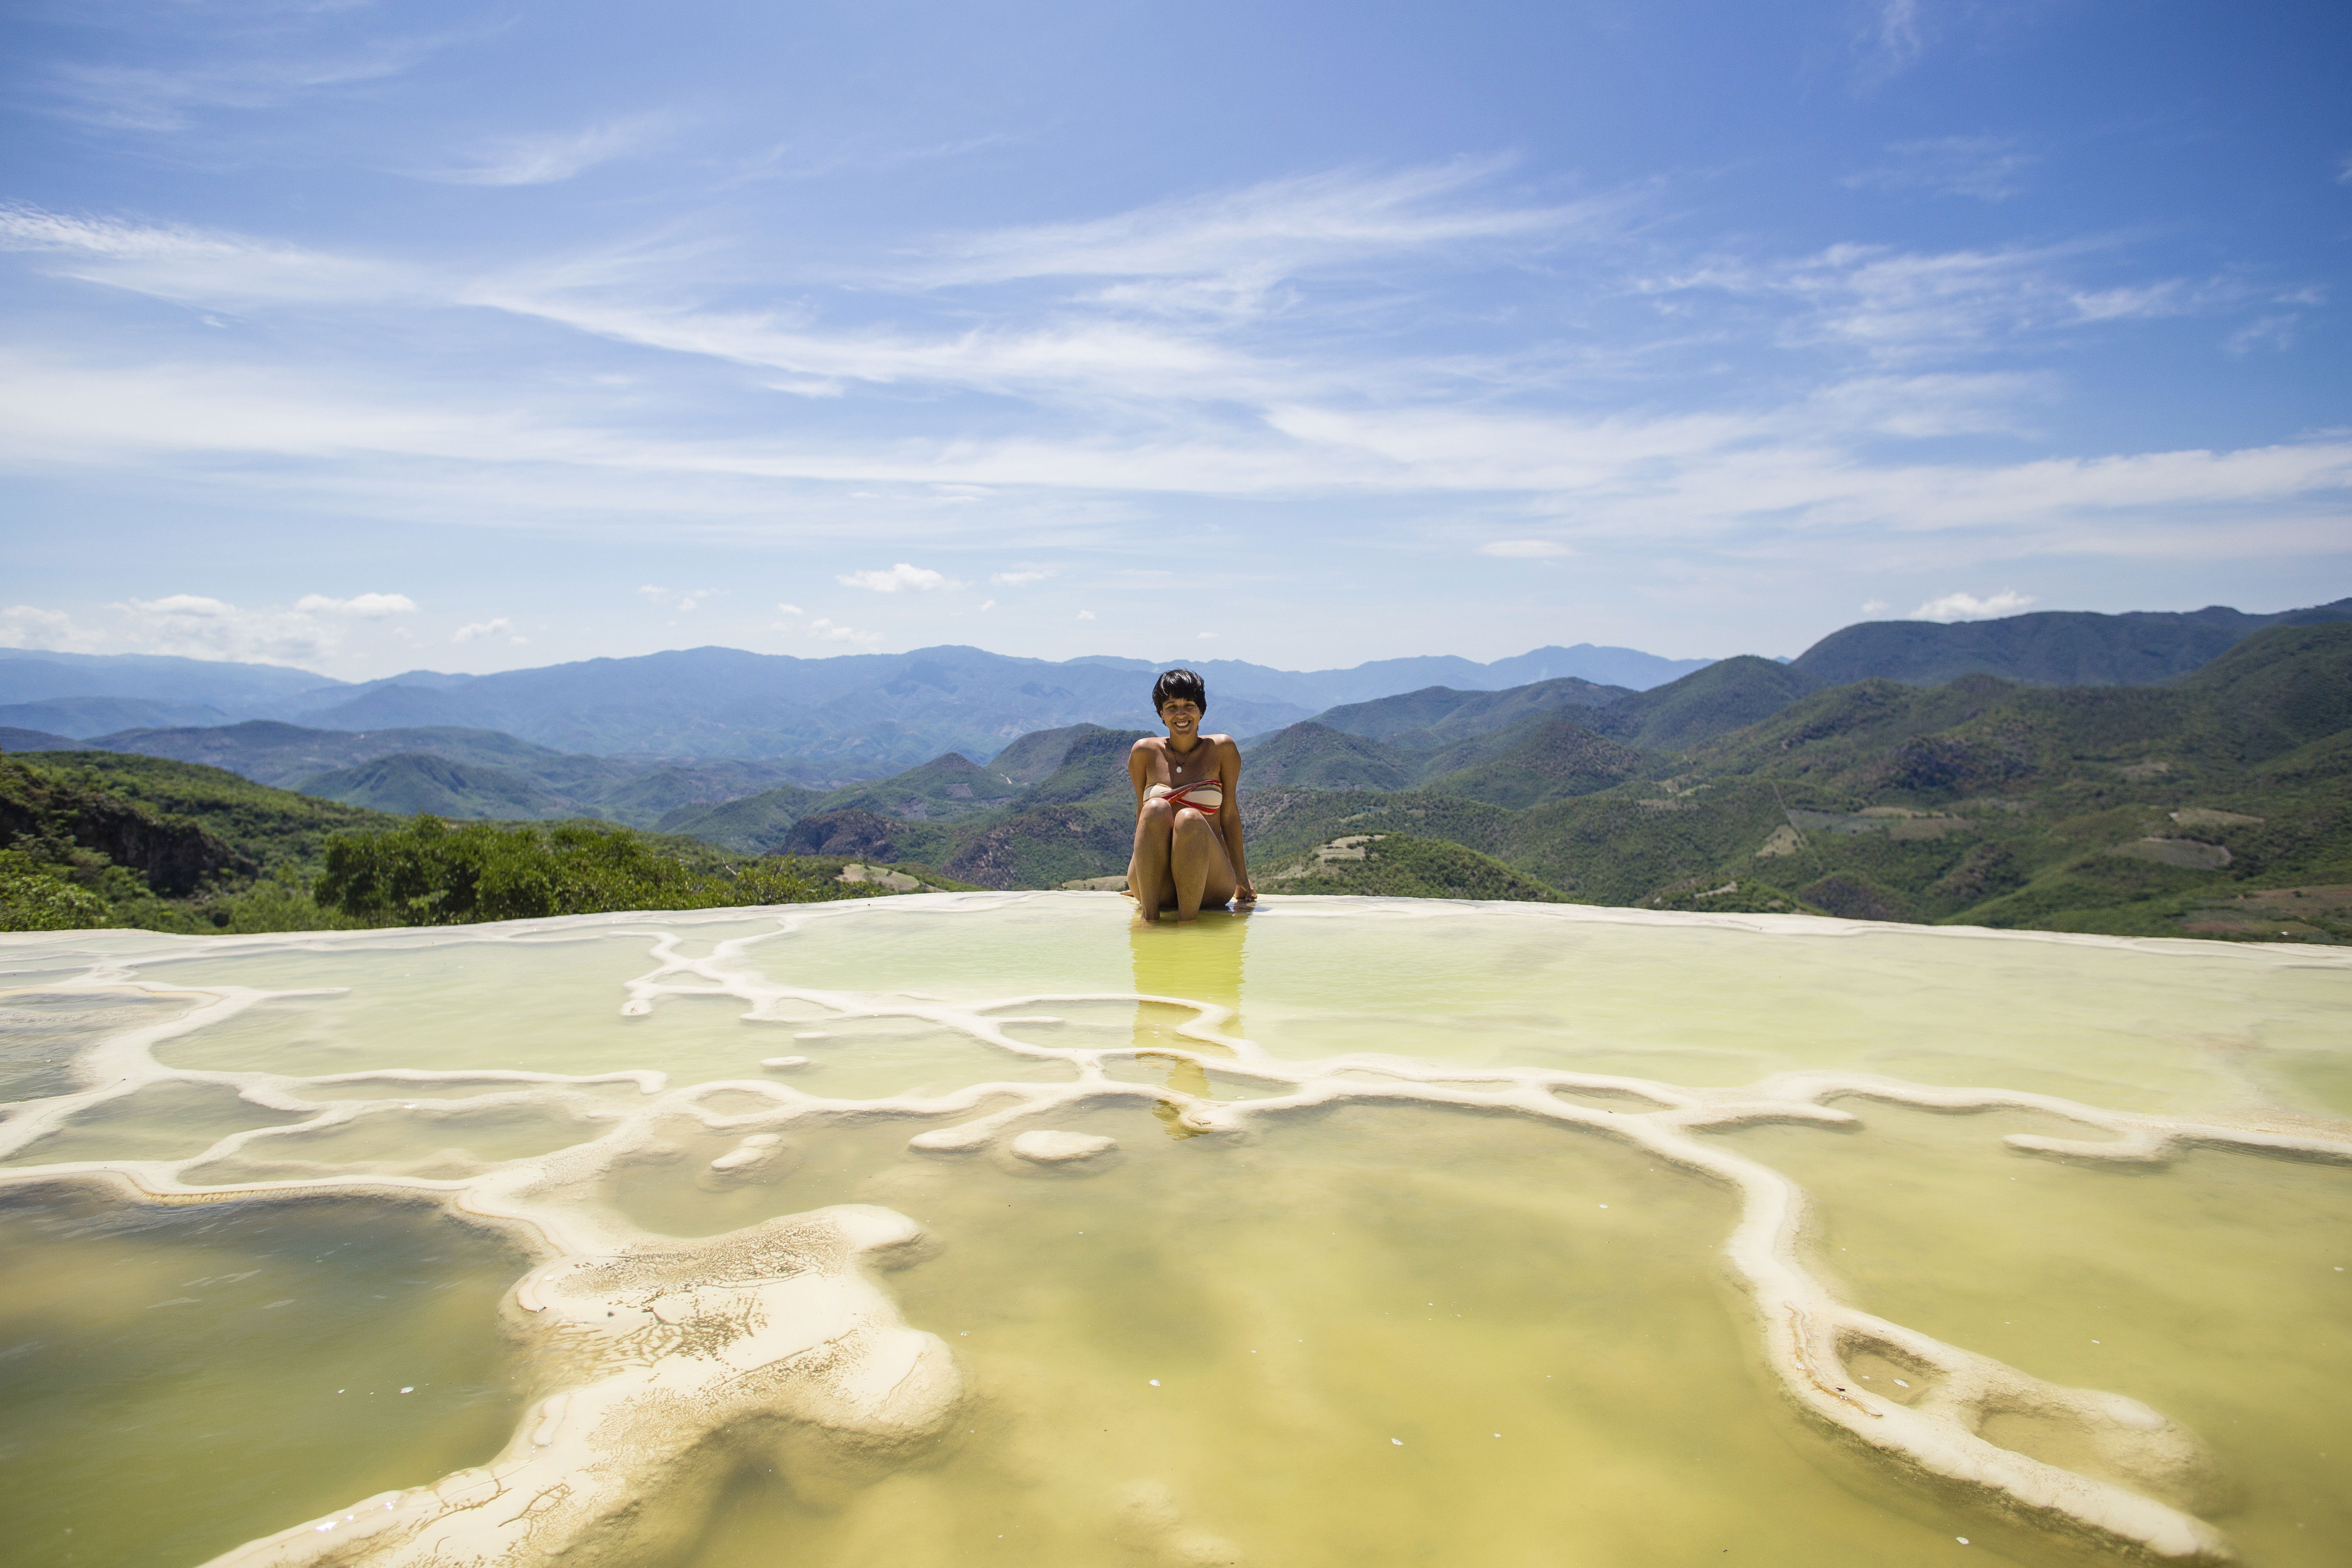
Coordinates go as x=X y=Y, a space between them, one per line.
x=1179 y=683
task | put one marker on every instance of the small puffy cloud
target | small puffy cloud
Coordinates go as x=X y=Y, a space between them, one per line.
x=196 y=627
x=483 y=631
x=1015 y=579
x=1524 y=549
x=790 y=609
x=1208 y=637
x=1969 y=607
x=1085 y=615
x=675 y=598
x=826 y=631
x=988 y=603
x=28 y=626
x=1875 y=606
x=366 y=606
x=919 y=579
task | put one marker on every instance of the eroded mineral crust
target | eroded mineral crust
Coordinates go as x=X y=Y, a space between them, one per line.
x=673 y=1365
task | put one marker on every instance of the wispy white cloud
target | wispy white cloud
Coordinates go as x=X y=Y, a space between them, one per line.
x=810 y=159
x=545 y=160
x=1016 y=357
x=1231 y=247
x=916 y=579
x=674 y=598
x=175 y=262
x=2264 y=333
x=1969 y=607
x=1525 y=549
x=1016 y=579
x=1896 y=305
x=1689 y=476
x=1889 y=41
x=1990 y=168
x=159 y=98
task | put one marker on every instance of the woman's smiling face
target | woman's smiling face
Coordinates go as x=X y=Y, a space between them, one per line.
x=1182 y=715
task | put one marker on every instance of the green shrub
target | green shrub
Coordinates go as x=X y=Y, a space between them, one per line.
x=34 y=898
x=429 y=872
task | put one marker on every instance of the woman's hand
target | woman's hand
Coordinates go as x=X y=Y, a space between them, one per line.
x=1244 y=893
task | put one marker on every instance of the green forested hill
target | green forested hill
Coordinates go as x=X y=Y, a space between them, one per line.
x=1032 y=756
x=1309 y=756
x=107 y=838
x=406 y=784
x=1400 y=866
x=943 y=789
x=2047 y=648
x=2219 y=804
x=1439 y=715
x=1728 y=695
x=1549 y=758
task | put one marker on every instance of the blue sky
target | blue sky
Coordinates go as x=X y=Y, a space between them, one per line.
x=371 y=337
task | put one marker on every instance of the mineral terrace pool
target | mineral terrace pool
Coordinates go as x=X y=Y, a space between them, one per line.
x=988 y=1228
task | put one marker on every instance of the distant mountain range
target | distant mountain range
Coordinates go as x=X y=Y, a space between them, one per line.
x=828 y=721
x=860 y=715
x=2048 y=648
x=2216 y=802
x=450 y=772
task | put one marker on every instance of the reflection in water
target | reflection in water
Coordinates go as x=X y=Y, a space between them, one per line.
x=1200 y=960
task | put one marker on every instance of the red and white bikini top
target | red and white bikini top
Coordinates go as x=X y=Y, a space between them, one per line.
x=1204 y=795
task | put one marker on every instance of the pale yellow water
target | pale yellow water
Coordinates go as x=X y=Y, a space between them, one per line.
x=1382 y=1333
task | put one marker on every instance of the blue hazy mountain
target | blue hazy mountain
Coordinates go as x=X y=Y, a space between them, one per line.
x=237 y=691
x=81 y=717
x=13 y=739
x=451 y=771
x=867 y=715
x=882 y=711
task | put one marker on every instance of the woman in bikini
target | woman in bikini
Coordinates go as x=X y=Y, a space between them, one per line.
x=1188 y=814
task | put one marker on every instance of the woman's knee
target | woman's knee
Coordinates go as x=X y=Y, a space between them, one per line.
x=1157 y=814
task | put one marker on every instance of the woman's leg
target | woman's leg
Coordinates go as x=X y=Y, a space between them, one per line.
x=1147 y=870
x=1198 y=864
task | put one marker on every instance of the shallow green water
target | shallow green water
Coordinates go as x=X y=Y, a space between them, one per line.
x=1394 y=1332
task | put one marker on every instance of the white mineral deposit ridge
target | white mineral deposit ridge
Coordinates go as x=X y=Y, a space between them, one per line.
x=776 y=1334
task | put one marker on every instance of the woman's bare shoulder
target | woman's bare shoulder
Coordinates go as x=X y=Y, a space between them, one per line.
x=1148 y=744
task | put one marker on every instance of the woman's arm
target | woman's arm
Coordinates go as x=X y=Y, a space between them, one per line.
x=1229 y=774
x=1138 y=769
